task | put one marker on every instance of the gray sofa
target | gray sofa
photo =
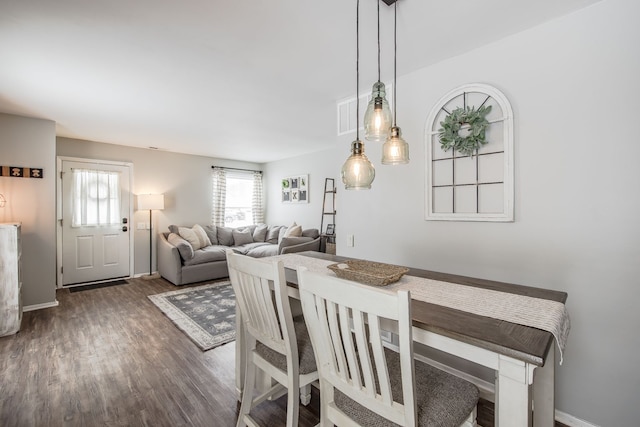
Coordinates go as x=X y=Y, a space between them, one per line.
x=181 y=264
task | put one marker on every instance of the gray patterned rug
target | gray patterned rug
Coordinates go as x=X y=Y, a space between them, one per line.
x=207 y=314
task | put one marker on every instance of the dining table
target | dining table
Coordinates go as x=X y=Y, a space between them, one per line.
x=522 y=357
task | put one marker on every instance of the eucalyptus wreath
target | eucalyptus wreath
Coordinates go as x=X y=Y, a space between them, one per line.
x=476 y=122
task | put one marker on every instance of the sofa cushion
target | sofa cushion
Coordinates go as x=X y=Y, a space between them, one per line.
x=208 y=254
x=184 y=248
x=294 y=230
x=273 y=233
x=261 y=250
x=225 y=236
x=190 y=236
x=242 y=237
x=211 y=234
x=260 y=233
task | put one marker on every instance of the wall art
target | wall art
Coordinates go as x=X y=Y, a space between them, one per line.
x=469 y=156
x=21 y=172
x=295 y=189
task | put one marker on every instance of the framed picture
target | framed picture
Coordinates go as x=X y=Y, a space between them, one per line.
x=331 y=229
x=295 y=189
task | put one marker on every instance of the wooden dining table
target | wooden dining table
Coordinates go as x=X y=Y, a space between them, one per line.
x=522 y=357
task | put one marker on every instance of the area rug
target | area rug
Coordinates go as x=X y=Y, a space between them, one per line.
x=207 y=313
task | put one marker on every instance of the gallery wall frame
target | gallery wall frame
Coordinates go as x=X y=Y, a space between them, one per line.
x=295 y=189
x=479 y=187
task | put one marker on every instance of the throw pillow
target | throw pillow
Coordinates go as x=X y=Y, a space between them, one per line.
x=202 y=236
x=225 y=236
x=242 y=237
x=260 y=233
x=173 y=229
x=190 y=236
x=294 y=230
x=184 y=248
x=273 y=233
x=212 y=234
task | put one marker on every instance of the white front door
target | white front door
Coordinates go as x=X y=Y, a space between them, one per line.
x=95 y=221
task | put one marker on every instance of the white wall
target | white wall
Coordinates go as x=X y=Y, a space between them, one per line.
x=30 y=142
x=185 y=181
x=318 y=166
x=574 y=85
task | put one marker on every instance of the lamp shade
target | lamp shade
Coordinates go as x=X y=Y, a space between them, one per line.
x=150 y=201
x=357 y=172
x=395 y=150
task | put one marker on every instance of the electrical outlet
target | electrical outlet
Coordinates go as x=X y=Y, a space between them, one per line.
x=140 y=226
x=350 y=240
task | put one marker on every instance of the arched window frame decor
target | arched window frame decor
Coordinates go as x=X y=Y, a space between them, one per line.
x=458 y=195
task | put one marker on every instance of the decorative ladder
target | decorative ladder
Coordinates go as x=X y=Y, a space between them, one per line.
x=330 y=212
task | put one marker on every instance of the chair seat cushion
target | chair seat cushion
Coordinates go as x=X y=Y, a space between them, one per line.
x=442 y=399
x=305 y=350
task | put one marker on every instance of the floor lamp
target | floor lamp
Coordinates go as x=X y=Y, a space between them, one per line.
x=150 y=202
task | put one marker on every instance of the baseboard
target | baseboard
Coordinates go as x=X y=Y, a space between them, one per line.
x=40 y=306
x=571 y=421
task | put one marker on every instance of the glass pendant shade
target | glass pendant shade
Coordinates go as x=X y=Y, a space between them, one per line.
x=395 y=150
x=377 y=118
x=357 y=172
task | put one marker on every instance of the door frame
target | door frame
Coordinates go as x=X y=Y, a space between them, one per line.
x=59 y=160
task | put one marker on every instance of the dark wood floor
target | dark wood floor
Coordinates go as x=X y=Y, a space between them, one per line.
x=109 y=357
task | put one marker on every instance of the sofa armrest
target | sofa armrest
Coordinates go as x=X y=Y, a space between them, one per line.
x=313 y=245
x=169 y=261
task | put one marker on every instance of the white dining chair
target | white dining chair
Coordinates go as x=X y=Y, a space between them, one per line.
x=275 y=342
x=363 y=383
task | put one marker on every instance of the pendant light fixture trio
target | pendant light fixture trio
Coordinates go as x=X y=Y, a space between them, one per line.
x=358 y=172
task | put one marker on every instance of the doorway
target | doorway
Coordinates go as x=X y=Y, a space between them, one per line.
x=94 y=212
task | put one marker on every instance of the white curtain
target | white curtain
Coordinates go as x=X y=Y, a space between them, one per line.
x=256 y=202
x=219 y=196
x=95 y=198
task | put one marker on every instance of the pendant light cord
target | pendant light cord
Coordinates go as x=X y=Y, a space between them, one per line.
x=358 y=70
x=378 y=40
x=395 y=60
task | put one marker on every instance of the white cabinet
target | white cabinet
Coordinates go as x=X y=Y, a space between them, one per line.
x=10 y=279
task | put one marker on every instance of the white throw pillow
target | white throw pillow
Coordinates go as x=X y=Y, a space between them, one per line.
x=294 y=230
x=190 y=236
x=202 y=236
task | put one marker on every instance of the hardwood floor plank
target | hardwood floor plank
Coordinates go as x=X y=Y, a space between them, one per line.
x=109 y=357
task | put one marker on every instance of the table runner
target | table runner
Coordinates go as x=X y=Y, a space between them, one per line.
x=547 y=315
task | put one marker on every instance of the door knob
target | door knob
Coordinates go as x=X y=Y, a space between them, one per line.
x=124 y=228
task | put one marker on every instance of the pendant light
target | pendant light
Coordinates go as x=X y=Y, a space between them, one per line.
x=377 y=118
x=395 y=150
x=357 y=172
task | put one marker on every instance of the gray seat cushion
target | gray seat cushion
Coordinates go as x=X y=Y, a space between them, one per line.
x=305 y=350
x=208 y=254
x=263 y=250
x=442 y=399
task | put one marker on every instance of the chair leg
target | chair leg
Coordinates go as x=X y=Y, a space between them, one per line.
x=471 y=421
x=305 y=394
x=293 y=400
x=247 y=392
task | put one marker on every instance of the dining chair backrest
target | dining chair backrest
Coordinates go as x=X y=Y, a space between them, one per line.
x=258 y=284
x=344 y=321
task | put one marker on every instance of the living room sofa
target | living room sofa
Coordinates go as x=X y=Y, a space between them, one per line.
x=189 y=255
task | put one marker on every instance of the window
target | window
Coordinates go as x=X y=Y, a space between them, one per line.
x=237 y=198
x=95 y=198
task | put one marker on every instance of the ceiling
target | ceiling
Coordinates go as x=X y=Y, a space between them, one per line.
x=248 y=80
